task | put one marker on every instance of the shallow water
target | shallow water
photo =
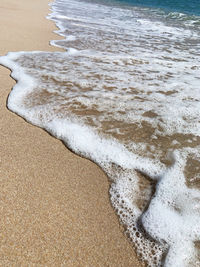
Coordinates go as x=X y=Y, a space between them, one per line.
x=125 y=94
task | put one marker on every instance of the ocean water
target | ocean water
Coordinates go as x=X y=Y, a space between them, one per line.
x=126 y=94
x=181 y=6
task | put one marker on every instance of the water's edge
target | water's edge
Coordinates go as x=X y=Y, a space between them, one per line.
x=129 y=174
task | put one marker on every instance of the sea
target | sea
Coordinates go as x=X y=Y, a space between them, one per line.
x=125 y=93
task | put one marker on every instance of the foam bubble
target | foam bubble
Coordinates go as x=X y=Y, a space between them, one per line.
x=173 y=215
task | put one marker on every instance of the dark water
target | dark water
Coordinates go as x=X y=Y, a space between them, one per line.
x=181 y=6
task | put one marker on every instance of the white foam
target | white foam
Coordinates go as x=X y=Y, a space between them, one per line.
x=173 y=215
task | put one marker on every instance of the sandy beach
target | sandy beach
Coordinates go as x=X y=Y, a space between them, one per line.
x=54 y=205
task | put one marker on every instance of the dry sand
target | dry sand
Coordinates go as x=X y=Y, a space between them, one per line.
x=54 y=205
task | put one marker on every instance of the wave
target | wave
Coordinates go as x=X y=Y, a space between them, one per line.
x=125 y=94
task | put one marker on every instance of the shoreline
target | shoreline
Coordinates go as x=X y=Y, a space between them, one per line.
x=55 y=208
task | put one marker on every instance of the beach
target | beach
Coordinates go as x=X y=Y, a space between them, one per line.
x=54 y=206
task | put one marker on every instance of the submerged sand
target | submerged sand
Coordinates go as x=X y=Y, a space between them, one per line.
x=54 y=205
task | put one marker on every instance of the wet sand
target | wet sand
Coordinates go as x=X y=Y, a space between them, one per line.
x=54 y=205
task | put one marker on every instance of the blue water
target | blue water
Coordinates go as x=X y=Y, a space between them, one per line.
x=182 y=6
